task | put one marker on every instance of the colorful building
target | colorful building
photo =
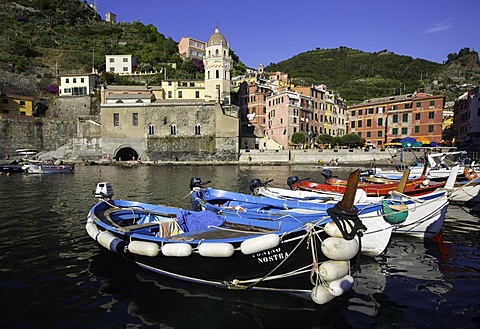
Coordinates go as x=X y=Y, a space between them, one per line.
x=16 y=104
x=189 y=48
x=381 y=120
x=466 y=122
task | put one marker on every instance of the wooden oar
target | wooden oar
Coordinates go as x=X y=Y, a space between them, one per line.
x=350 y=191
x=403 y=181
x=426 y=164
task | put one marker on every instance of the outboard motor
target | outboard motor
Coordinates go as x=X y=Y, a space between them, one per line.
x=291 y=181
x=327 y=173
x=254 y=183
x=368 y=172
x=104 y=190
x=196 y=182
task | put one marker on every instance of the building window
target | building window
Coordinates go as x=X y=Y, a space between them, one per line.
x=197 y=129
x=430 y=128
x=74 y=80
x=431 y=115
x=395 y=131
x=404 y=131
x=432 y=103
x=380 y=122
x=417 y=116
x=408 y=106
x=180 y=94
x=217 y=74
x=359 y=123
x=151 y=129
x=353 y=113
x=125 y=60
x=419 y=104
x=22 y=103
x=169 y=94
x=353 y=124
x=112 y=60
x=112 y=69
x=82 y=80
x=67 y=80
x=135 y=119
x=395 y=107
x=116 y=119
x=369 y=134
x=197 y=94
x=417 y=129
x=173 y=129
x=369 y=123
x=379 y=133
x=395 y=118
x=405 y=117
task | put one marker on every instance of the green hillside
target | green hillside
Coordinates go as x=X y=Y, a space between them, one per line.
x=47 y=38
x=359 y=75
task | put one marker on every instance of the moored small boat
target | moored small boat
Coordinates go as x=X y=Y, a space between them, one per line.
x=413 y=187
x=45 y=168
x=228 y=251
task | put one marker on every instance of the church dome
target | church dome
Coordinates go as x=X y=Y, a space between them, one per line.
x=216 y=39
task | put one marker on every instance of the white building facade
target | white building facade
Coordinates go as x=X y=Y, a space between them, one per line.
x=78 y=85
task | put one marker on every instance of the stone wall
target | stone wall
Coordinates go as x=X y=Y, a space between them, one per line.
x=70 y=108
x=28 y=132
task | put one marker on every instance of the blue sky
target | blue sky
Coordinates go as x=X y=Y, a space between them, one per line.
x=272 y=31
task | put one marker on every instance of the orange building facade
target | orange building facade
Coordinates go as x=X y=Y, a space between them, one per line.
x=381 y=120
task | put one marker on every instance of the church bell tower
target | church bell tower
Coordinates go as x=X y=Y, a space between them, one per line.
x=217 y=62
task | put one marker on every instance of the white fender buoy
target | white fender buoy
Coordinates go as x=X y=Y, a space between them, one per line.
x=333 y=269
x=339 y=248
x=144 y=248
x=220 y=249
x=259 y=243
x=332 y=230
x=92 y=230
x=177 y=249
x=320 y=295
x=340 y=286
x=110 y=241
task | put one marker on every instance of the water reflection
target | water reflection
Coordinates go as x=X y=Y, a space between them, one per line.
x=53 y=275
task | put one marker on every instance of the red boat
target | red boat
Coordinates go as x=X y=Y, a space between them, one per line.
x=413 y=187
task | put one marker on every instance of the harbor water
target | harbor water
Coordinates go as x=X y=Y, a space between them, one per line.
x=53 y=275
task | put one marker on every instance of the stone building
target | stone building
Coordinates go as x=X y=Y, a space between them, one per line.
x=194 y=120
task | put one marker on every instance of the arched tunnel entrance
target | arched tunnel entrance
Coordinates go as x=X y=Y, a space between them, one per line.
x=126 y=154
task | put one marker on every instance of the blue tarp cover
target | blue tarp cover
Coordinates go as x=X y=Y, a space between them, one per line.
x=194 y=221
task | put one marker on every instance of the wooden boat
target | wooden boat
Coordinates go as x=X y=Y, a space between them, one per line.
x=465 y=191
x=11 y=168
x=239 y=253
x=26 y=151
x=45 y=168
x=419 y=216
x=427 y=163
x=413 y=187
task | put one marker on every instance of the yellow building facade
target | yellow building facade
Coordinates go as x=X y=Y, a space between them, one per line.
x=16 y=104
